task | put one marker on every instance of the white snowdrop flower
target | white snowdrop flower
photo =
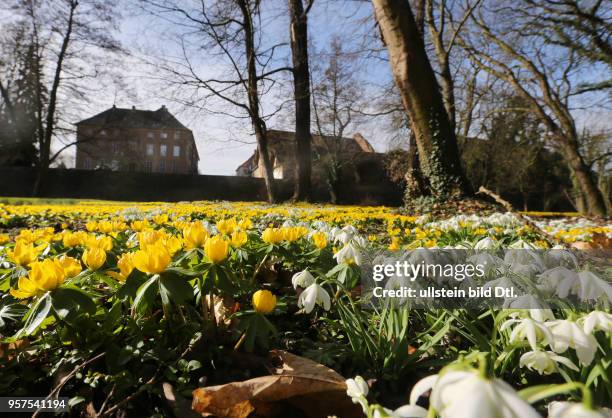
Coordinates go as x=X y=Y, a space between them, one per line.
x=550 y=281
x=575 y=410
x=302 y=279
x=535 y=307
x=569 y=334
x=596 y=321
x=349 y=254
x=545 y=362
x=592 y=287
x=488 y=261
x=345 y=234
x=526 y=257
x=530 y=330
x=486 y=244
x=360 y=241
x=520 y=244
x=409 y=411
x=560 y=257
x=357 y=387
x=314 y=295
x=457 y=394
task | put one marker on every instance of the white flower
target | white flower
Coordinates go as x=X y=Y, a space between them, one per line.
x=537 y=310
x=520 y=244
x=592 y=287
x=345 y=234
x=575 y=410
x=314 y=295
x=527 y=328
x=487 y=260
x=458 y=394
x=545 y=362
x=302 y=279
x=357 y=389
x=409 y=411
x=560 y=257
x=568 y=334
x=349 y=254
x=596 y=320
x=486 y=244
x=557 y=281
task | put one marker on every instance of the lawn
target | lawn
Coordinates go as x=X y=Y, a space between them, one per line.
x=242 y=308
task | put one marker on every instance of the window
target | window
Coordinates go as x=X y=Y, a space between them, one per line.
x=87 y=163
x=150 y=149
x=176 y=151
x=162 y=166
x=177 y=135
x=174 y=167
x=163 y=135
x=133 y=145
x=148 y=166
x=150 y=135
x=163 y=150
x=115 y=147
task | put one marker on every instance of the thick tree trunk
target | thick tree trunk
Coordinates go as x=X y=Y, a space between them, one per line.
x=415 y=78
x=593 y=198
x=259 y=125
x=301 y=85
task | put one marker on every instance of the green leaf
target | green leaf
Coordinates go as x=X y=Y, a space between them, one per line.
x=69 y=302
x=145 y=295
x=36 y=315
x=175 y=289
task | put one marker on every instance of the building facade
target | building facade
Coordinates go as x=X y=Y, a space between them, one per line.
x=136 y=140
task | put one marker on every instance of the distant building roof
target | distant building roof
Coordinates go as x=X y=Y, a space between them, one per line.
x=135 y=118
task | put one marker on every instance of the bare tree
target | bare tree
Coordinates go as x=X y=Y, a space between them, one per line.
x=546 y=87
x=419 y=89
x=229 y=30
x=301 y=85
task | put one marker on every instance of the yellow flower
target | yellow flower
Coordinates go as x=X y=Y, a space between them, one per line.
x=195 y=235
x=173 y=244
x=125 y=263
x=227 y=226
x=264 y=301
x=153 y=259
x=245 y=224
x=23 y=254
x=272 y=235
x=294 y=233
x=394 y=244
x=216 y=249
x=71 y=266
x=4 y=238
x=44 y=276
x=151 y=237
x=91 y=226
x=94 y=257
x=104 y=243
x=319 y=239
x=160 y=219
x=239 y=238
x=72 y=239
x=140 y=225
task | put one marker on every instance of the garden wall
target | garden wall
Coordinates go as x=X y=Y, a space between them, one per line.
x=114 y=185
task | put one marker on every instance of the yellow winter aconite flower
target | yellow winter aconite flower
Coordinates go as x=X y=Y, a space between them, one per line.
x=4 y=238
x=138 y=226
x=294 y=233
x=151 y=237
x=105 y=243
x=71 y=266
x=238 y=239
x=319 y=239
x=73 y=239
x=195 y=235
x=91 y=226
x=160 y=219
x=173 y=244
x=245 y=224
x=227 y=226
x=44 y=276
x=125 y=263
x=216 y=249
x=94 y=257
x=264 y=301
x=272 y=235
x=153 y=259
x=23 y=254
x=394 y=244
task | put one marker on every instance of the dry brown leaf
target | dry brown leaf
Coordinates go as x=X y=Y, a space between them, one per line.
x=316 y=390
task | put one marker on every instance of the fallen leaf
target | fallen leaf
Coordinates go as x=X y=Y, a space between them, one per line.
x=303 y=384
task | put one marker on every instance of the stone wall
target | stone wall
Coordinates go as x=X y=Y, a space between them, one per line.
x=128 y=186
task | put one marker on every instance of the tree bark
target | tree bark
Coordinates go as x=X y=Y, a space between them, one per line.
x=419 y=90
x=301 y=86
x=45 y=147
x=259 y=126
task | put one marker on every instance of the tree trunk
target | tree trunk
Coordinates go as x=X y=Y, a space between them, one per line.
x=258 y=123
x=593 y=199
x=301 y=86
x=415 y=78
